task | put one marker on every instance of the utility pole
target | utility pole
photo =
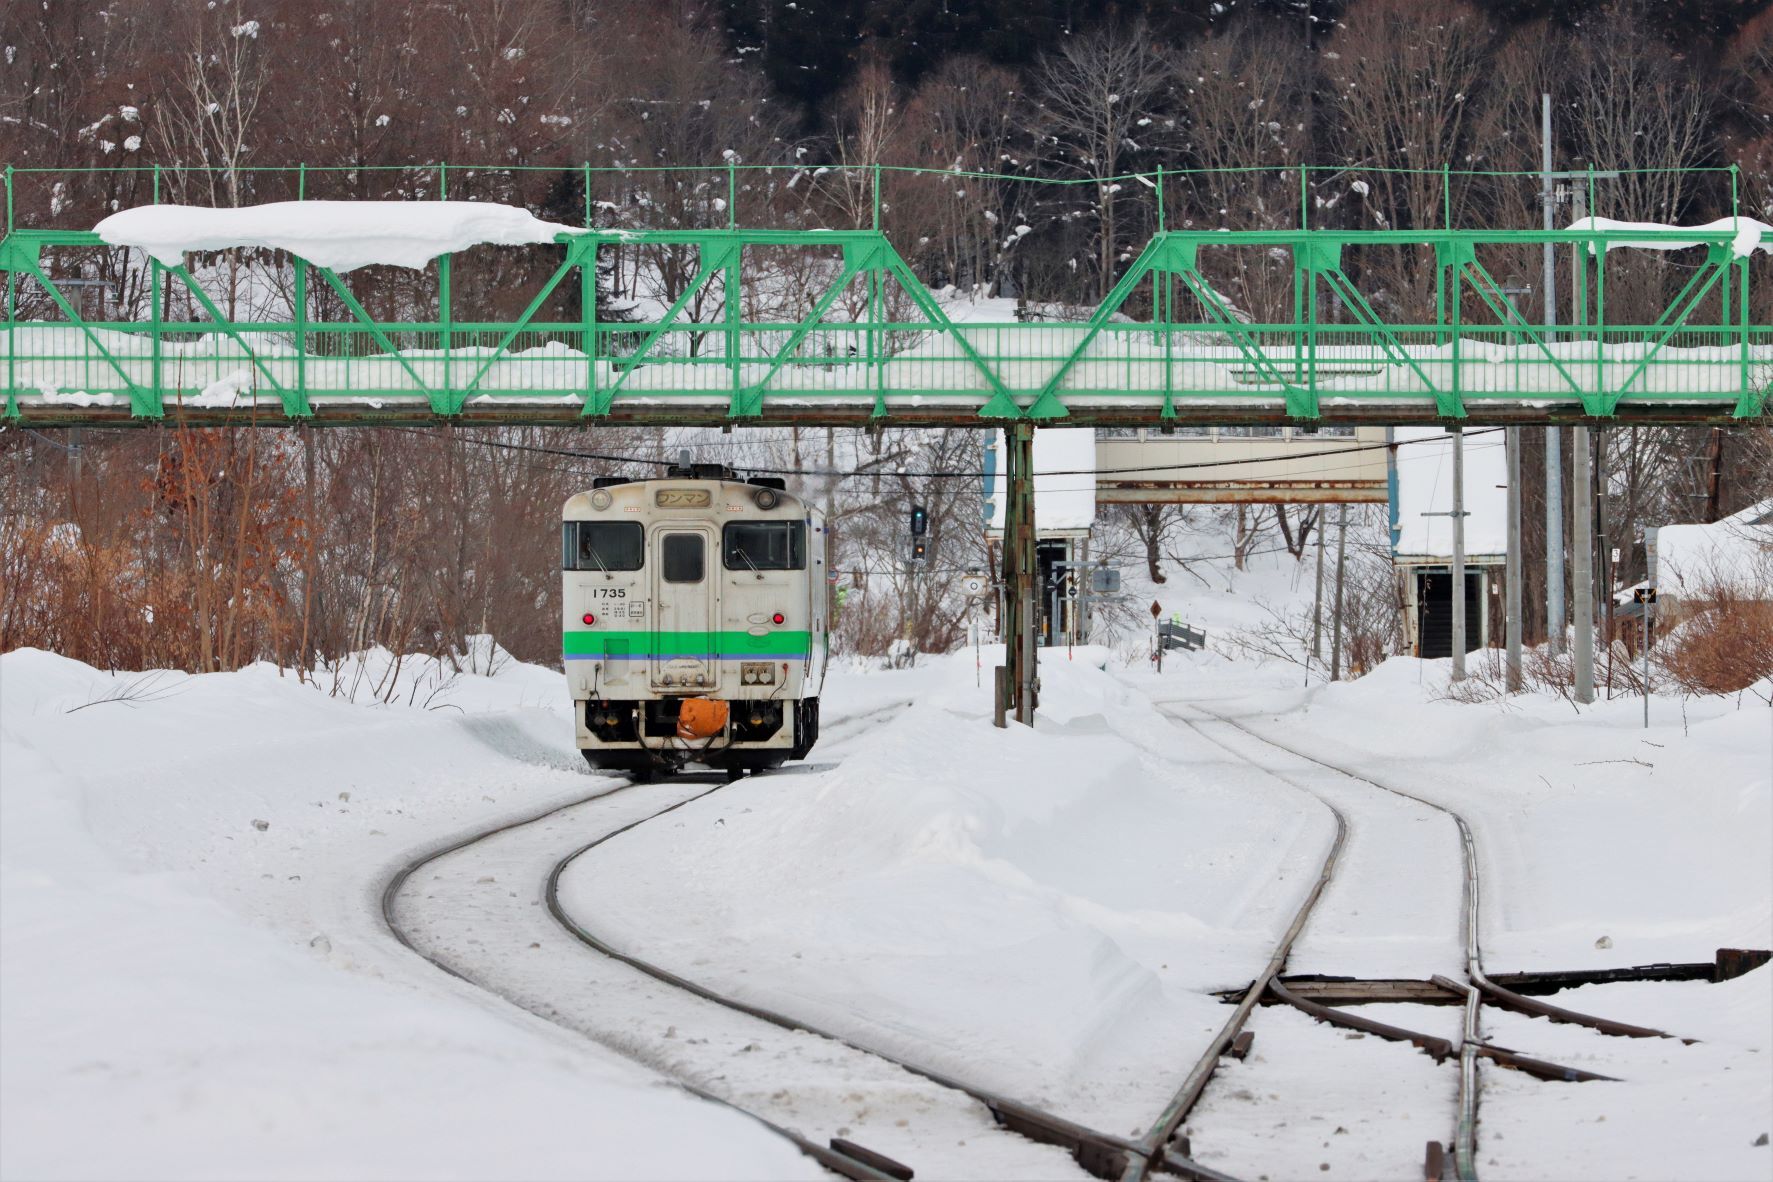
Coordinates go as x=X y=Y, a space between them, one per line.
x=1458 y=553
x=1582 y=559
x=1714 y=501
x=1512 y=628
x=1554 y=463
x=1341 y=566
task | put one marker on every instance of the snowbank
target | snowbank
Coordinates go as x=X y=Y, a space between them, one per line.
x=342 y=235
x=196 y=981
x=1735 y=552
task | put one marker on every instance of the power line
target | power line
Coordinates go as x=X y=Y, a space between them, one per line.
x=848 y=474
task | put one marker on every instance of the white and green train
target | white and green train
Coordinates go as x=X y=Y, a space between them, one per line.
x=695 y=621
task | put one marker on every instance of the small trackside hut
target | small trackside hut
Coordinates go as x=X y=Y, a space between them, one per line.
x=694 y=621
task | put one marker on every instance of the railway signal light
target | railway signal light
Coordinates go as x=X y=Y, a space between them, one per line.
x=920 y=522
x=920 y=550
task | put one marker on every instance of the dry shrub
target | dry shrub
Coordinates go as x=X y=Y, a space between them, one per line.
x=1722 y=642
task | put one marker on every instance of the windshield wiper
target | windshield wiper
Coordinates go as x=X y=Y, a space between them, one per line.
x=741 y=553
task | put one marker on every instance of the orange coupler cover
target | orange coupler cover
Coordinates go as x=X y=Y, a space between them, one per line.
x=701 y=718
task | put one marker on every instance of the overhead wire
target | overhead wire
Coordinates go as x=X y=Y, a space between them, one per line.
x=850 y=474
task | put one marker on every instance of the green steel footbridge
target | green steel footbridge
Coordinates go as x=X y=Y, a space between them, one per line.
x=865 y=341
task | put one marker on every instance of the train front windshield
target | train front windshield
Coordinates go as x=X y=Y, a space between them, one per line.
x=764 y=545
x=603 y=545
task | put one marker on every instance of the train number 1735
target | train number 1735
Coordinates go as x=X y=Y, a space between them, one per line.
x=608 y=592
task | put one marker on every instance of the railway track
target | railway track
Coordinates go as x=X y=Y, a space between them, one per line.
x=1095 y=1152
x=1475 y=990
x=391 y=896
x=536 y=841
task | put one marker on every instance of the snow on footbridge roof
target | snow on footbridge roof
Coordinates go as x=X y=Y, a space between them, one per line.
x=1750 y=235
x=1064 y=480
x=341 y=235
x=1425 y=485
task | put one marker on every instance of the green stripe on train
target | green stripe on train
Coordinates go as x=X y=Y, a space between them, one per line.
x=731 y=644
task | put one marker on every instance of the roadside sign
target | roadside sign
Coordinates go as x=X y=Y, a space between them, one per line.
x=1643 y=595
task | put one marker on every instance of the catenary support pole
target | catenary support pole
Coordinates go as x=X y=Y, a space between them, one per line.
x=1554 y=462
x=1459 y=647
x=1603 y=557
x=1582 y=562
x=1317 y=602
x=1513 y=572
x=1341 y=568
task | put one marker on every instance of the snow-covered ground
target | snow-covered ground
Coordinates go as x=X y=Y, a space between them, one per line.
x=194 y=960
x=197 y=982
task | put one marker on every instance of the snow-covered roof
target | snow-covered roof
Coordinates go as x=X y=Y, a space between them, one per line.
x=341 y=235
x=1425 y=485
x=1750 y=235
x=1736 y=551
x=1064 y=480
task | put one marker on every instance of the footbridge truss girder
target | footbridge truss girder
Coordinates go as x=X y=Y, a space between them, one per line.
x=867 y=342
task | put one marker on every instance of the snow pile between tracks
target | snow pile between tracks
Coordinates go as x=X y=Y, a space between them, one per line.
x=1040 y=912
x=193 y=955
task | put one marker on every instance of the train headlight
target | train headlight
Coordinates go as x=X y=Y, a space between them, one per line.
x=766 y=498
x=600 y=500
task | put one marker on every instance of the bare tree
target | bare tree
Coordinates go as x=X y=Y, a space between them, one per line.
x=1405 y=87
x=1101 y=98
x=1243 y=103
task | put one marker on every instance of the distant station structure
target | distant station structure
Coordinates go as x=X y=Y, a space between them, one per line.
x=1422 y=538
x=1249 y=465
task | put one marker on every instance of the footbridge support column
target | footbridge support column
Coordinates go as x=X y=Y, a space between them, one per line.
x=1019 y=681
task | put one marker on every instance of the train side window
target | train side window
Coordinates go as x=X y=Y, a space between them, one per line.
x=683 y=558
x=603 y=545
x=764 y=545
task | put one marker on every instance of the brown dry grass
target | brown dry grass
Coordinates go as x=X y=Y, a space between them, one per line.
x=1722 y=640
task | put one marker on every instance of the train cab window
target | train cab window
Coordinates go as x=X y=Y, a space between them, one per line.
x=683 y=558
x=603 y=545
x=764 y=545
